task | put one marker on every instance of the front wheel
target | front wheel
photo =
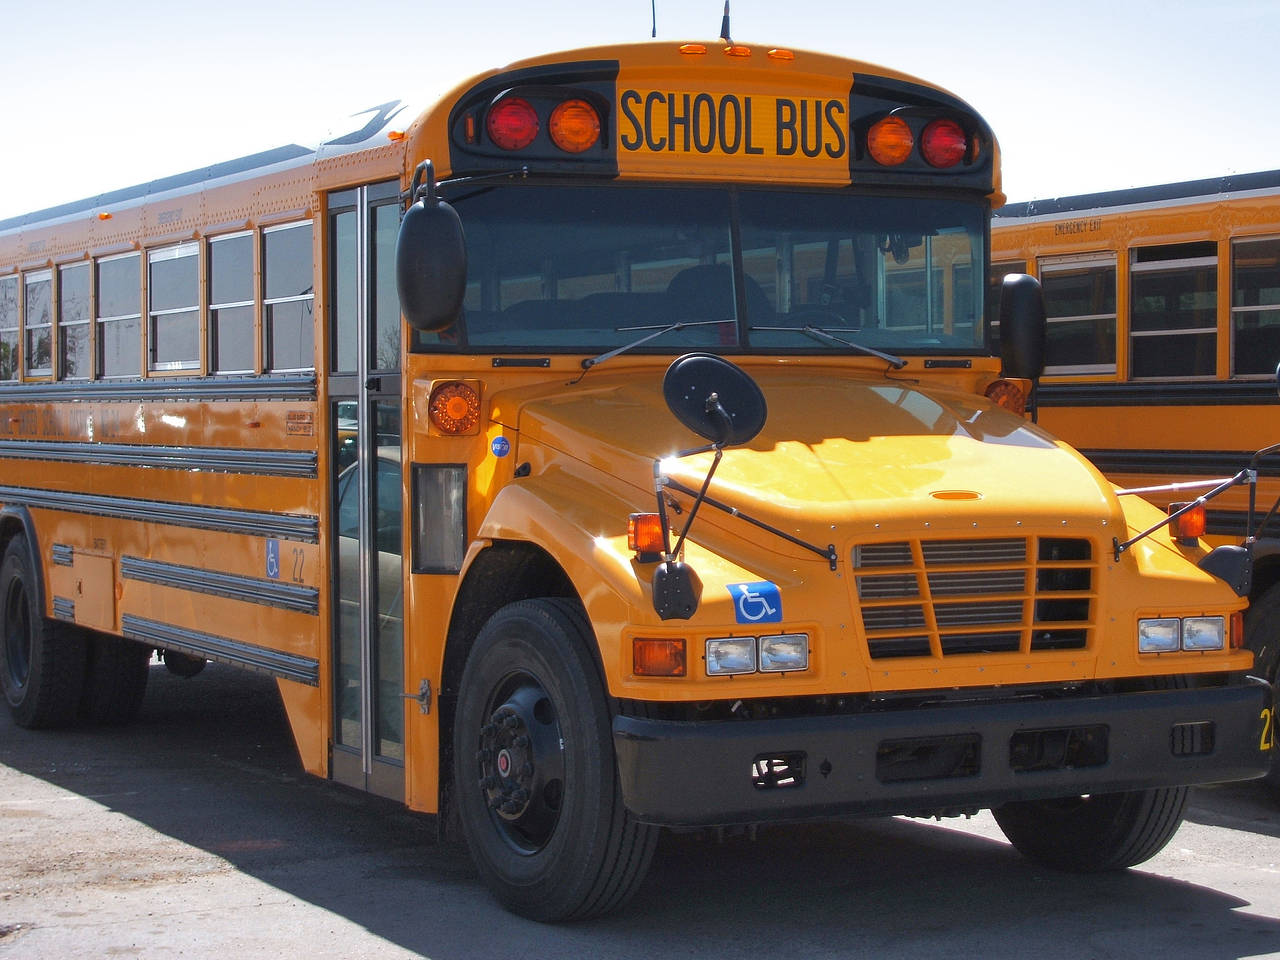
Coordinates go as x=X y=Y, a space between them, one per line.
x=1262 y=636
x=534 y=770
x=1108 y=831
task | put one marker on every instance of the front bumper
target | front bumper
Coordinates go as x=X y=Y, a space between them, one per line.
x=939 y=759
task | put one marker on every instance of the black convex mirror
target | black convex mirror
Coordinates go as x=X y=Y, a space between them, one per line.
x=1022 y=327
x=715 y=399
x=431 y=258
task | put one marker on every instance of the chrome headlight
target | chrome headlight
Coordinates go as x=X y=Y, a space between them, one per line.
x=789 y=651
x=1204 y=633
x=730 y=655
x=1159 y=635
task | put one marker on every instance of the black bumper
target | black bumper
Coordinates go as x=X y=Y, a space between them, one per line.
x=941 y=758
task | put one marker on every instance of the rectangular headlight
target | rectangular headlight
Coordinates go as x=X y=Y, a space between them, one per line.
x=731 y=655
x=1158 y=636
x=788 y=651
x=1204 y=633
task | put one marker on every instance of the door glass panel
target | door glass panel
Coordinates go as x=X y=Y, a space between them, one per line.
x=389 y=624
x=386 y=303
x=347 y=675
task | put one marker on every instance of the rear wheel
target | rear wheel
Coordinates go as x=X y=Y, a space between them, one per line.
x=534 y=769
x=1091 y=834
x=43 y=668
x=1262 y=636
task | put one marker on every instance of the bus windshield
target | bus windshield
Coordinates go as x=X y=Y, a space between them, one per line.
x=560 y=268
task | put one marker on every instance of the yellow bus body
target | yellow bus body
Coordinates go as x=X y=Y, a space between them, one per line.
x=193 y=511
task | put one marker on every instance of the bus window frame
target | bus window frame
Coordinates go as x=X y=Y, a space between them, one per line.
x=267 y=336
x=15 y=358
x=62 y=323
x=1232 y=310
x=1170 y=266
x=99 y=320
x=212 y=327
x=166 y=254
x=1061 y=264
x=29 y=279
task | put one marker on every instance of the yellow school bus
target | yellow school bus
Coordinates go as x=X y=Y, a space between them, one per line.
x=616 y=444
x=1163 y=307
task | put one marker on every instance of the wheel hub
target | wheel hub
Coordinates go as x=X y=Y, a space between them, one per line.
x=521 y=766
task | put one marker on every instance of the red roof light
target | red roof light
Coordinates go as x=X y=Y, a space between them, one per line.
x=512 y=123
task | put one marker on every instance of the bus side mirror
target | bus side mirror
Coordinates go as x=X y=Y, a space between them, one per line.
x=1022 y=328
x=715 y=399
x=431 y=260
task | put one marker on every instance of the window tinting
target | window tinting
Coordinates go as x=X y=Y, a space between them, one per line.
x=1173 y=311
x=38 y=323
x=590 y=268
x=1255 y=307
x=288 y=305
x=231 y=304
x=120 y=316
x=1080 y=304
x=74 y=322
x=9 y=328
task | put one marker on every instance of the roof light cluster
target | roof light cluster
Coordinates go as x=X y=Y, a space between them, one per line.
x=513 y=123
x=942 y=143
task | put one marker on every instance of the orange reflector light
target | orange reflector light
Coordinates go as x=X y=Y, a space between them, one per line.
x=395 y=136
x=1189 y=526
x=512 y=123
x=1235 y=640
x=454 y=408
x=104 y=216
x=574 y=126
x=737 y=50
x=1010 y=394
x=943 y=143
x=781 y=55
x=469 y=128
x=889 y=141
x=693 y=49
x=657 y=658
x=644 y=533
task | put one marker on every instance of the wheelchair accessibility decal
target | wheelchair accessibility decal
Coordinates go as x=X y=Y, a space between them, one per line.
x=759 y=602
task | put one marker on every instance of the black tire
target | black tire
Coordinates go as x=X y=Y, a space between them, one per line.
x=1109 y=831
x=43 y=667
x=1262 y=636
x=534 y=771
x=183 y=664
x=115 y=679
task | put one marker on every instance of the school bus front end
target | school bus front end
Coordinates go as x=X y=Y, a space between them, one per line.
x=835 y=570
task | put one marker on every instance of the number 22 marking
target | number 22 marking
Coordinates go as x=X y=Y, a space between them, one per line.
x=1268 y=730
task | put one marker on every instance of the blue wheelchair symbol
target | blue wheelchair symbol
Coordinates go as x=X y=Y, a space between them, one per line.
x=759 y=602
x=273 y=559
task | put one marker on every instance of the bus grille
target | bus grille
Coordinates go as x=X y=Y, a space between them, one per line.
x=944 y=598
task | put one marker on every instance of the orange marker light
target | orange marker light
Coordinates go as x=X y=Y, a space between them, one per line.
x=104 y=216
x=395 y=136
x=1010 y=394
x=1189 y=526
x=737 y=50
x=574 y=126
x=657 y=657
x=644 y=533
x=512 y=123
x=693 y=49
x=776 y=54
x=1236 y=639
x=889 y=141
x=454 y=408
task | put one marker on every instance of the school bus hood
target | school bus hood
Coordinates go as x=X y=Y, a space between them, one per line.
x=836 y=448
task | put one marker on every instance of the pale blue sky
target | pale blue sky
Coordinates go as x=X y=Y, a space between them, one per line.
x=1083 y=96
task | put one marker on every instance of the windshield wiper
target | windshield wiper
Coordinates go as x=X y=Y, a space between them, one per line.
x=826 y=336
x=657 y=332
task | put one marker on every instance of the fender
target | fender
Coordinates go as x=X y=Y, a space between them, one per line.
x=11 y=518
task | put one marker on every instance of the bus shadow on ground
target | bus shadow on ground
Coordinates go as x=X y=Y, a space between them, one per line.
x=211 y=763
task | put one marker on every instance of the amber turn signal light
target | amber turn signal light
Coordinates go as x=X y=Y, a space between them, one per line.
x=1011 y=394
x=1188 y=526
x=574 y=126
x=652 y=657
x=644 y=536
x=454 y=407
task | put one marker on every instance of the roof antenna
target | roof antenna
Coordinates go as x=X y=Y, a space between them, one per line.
x=653 y=6
x=724 y=25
